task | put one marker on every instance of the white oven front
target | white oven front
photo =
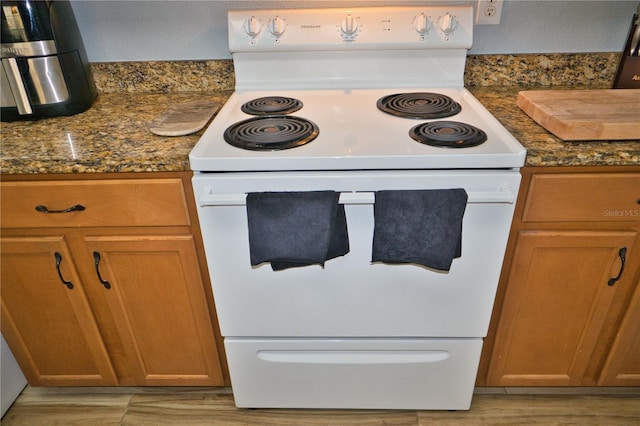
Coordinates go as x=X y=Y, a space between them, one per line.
x=350 y=295
x=378 y=332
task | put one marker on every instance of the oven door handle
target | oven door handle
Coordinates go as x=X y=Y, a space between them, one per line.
x=501 y=195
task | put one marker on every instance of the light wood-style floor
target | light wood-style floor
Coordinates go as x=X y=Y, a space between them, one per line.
x=214 y=406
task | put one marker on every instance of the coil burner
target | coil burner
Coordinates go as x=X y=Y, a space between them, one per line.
x=271 y=105
x=419 y=105
x=271 y=133
x=448 y=134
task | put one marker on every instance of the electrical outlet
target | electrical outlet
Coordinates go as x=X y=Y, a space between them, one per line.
x=489 y=12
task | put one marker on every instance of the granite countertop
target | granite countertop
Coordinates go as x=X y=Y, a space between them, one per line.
x=545 y=149
x=113 y=135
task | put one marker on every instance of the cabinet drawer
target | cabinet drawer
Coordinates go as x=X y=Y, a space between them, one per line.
x=583 y=197
x=118 y=202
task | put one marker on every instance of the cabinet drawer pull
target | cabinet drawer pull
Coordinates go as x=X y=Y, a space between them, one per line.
x=96 y=259
x=76 y=208
x=58 y=257
x=623 y=258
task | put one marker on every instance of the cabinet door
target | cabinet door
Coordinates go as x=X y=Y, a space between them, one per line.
x=555 y=304
x=622 y=367
x=48 y=324
x=157 y=303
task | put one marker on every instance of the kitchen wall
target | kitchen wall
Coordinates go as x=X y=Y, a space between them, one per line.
x=151 y=30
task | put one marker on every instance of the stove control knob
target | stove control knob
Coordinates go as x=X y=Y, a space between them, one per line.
x=421 y=23
x=277 y=27
x=252 y=27
x=447 y=23
x=349 y=26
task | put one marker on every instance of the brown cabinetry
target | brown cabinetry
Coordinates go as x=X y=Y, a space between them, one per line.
x=567 y=311
x=108 y=293
x=622 y=366
x=51 y=328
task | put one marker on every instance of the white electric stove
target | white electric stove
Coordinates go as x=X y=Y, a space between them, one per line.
x=355 y=101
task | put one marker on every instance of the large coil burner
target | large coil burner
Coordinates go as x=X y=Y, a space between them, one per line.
x=271 y=133
x=419 y=105
x=448 y=134
x=271 y=105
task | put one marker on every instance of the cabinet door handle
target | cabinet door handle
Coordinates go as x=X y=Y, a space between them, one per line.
x=76 y=208
x=96 y=259
x=623 y=258
x=58 y=257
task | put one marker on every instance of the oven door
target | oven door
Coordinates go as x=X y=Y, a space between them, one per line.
x=351 y=296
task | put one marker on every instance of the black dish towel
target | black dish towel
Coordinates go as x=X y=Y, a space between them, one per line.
x=292 y=229
x=419 y=226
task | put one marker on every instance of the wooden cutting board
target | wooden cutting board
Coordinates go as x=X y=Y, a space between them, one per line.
x=579 y=115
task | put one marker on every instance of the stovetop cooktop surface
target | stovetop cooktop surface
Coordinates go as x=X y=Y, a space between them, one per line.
x=355 y=135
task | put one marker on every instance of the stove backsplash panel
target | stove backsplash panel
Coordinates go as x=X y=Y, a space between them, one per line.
x=595 y=70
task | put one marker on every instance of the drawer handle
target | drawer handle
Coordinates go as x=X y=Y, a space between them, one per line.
x=58 y=257
x=623 y=258
x=76 y=208
x=96 y=259
x=357 y=357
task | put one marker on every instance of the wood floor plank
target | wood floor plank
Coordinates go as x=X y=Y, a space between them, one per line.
x=220 y=410
x=214 y=406
x=546 y=410
x=35 y=407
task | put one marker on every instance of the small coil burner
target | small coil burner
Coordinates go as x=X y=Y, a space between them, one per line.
x=271 y=133
x=270 y=105
x=419 y=105
x=448 y=134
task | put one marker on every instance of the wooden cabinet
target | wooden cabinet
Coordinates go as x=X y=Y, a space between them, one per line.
x=622 y=366
x=51 y=328
x=567 y=312
x=109 y=293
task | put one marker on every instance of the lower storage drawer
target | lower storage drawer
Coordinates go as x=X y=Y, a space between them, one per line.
x=353 y=373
